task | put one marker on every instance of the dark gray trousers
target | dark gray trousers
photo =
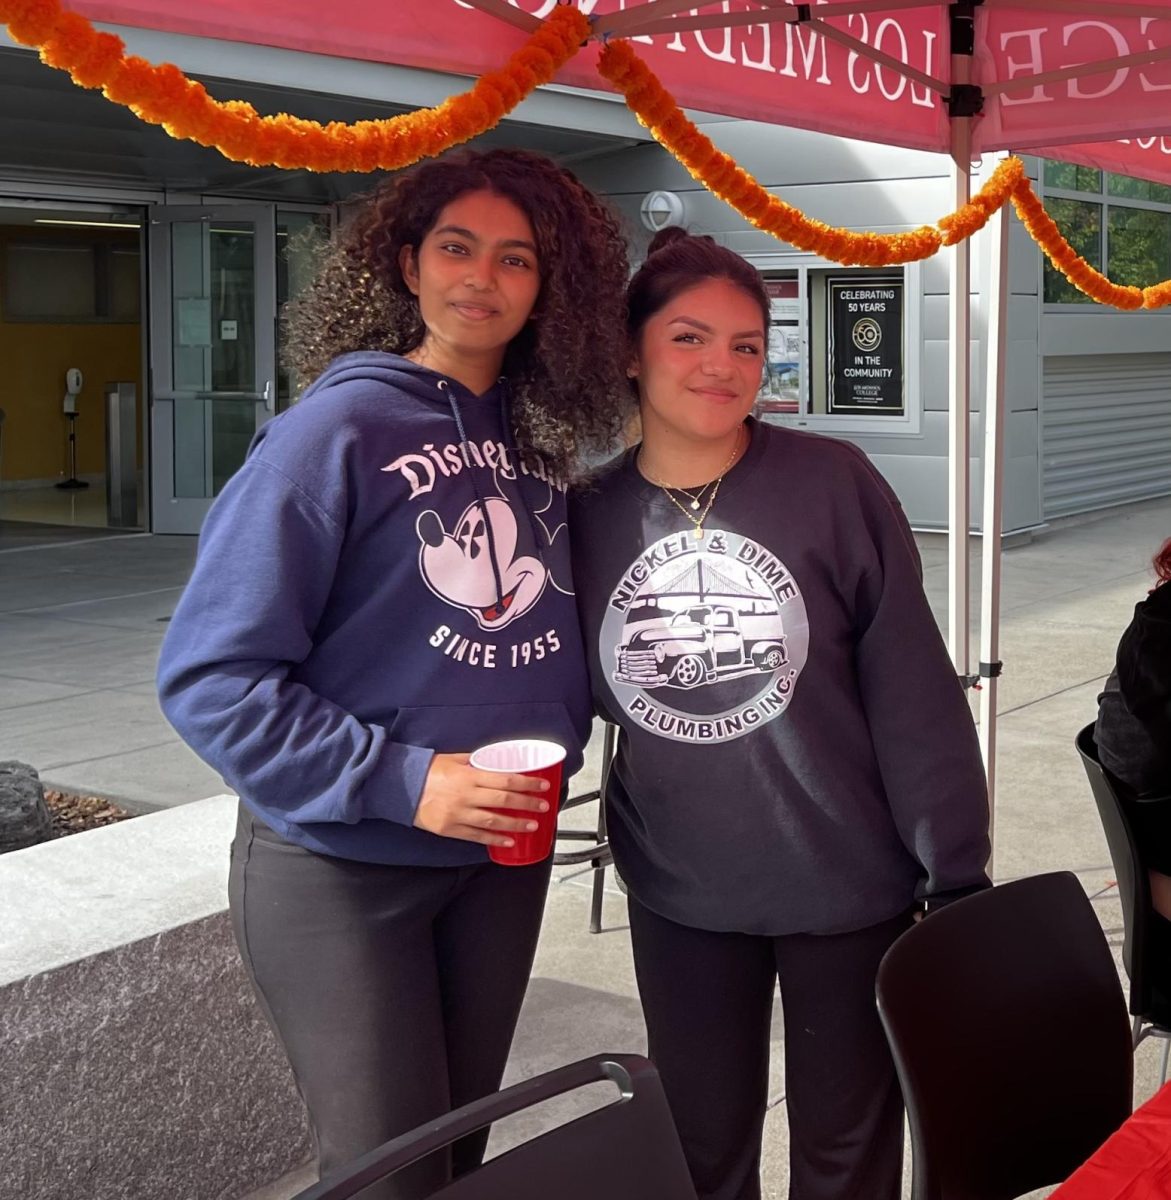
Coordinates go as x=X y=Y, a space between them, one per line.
x=394 y=991
x=708 y=1000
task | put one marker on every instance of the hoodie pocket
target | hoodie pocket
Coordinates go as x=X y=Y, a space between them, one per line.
x=462 y=728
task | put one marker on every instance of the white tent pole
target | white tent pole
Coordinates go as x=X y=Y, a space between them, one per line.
x=959 y=371
x=992 y=523
x=1080 y=71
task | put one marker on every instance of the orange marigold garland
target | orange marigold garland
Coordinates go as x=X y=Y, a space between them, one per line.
x=164 y=96
x=974 y=215
x=1009 y=182
x=656 y=109
x=1158 y=295
x=1043 y=230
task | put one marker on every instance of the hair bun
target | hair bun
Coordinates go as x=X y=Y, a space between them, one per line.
x=667 y=237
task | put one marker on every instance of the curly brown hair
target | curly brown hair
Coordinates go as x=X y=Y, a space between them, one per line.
x=570 y=398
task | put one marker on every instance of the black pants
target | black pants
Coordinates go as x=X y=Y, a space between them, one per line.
x=394 y=991
x=708 y=997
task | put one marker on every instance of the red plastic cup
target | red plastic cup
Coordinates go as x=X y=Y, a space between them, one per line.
x=526 y=756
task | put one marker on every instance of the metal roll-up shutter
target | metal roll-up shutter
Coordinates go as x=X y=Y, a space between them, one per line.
x=1106 y=431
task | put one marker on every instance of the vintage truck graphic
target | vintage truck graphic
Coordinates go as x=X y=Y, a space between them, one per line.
x=701 y=642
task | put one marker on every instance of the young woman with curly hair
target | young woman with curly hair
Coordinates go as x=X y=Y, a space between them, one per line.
x=382 y=588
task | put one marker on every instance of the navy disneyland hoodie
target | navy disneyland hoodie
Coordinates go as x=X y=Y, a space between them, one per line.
x=384 y=578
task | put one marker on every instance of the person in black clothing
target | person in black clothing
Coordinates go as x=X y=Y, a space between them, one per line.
x=1133 y=730
x=797 y=768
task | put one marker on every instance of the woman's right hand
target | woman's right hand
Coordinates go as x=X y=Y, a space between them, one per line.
x=458 y=800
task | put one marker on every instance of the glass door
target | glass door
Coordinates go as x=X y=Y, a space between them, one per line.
x=212 y=352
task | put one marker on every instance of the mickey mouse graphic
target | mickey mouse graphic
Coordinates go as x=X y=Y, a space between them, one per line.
x=458 y=566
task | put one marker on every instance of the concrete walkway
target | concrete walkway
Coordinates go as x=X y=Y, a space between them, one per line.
x=80 y=627
x=80 y=624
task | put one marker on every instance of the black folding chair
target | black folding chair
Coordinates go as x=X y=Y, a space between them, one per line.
x=1117 y=805
x=1008 y=1027
x=597 y=853
x=627 y=1150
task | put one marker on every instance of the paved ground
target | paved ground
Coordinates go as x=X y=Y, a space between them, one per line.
x=80 y=623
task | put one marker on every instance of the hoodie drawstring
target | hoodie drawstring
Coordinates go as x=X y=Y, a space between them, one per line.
x=514 y=450
x=463 y=445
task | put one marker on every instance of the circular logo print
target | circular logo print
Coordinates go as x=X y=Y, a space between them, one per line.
x=703 y=640
x=867 y=334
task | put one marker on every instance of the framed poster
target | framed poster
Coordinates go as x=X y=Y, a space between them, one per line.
x=865 y=360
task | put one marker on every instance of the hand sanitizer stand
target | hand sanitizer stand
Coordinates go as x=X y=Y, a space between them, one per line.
x=73 y=382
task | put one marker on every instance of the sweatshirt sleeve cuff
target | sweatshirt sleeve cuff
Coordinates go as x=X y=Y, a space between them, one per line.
x=396 y=787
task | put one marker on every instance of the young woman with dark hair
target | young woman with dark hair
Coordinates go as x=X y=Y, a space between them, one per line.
x=382 y=588
x=797 y=768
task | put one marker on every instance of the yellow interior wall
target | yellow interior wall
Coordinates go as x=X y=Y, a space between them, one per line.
x=35 y=358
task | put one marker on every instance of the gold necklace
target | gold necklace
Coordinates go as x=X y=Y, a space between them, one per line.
x=696 y=498
x=707 y=508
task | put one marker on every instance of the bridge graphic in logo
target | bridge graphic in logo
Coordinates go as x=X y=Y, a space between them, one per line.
x=706 y=640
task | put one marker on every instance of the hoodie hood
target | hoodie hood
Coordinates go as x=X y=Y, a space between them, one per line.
x=392 y=370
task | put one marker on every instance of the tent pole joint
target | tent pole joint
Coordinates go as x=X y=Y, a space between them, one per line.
x=987 y=670
x=965 y=100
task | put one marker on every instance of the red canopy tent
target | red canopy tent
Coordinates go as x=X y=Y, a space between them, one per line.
x=1092 y=77
x=1084 y=80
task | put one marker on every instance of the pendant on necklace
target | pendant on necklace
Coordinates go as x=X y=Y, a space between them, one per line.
x=695 y=506
x=698 y=532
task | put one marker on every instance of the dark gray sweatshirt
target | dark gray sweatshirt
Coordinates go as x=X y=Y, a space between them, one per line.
x=796 y=753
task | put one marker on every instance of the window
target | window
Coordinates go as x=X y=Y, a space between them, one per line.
x=1118 y=224
x=1071 y=177
x=1138 y=189
x=1081 y=224
x=837 y=349
x=1138 y=245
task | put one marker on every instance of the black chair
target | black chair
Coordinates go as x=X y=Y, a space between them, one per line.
x=627 y=1150
x=1008 y=1027
x=597 y=854
x=1116 y=803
